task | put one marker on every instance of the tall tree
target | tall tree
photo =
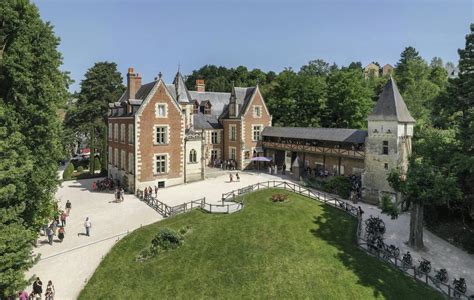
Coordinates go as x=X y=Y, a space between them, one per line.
x=349 y=100
x=32 y=88
x=316 y=67
x=401 y=68
x=102 y=85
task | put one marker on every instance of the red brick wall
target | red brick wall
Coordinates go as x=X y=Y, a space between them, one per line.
x=249 y=120
x=118 y=144
x=229 y=143
x=146 y=122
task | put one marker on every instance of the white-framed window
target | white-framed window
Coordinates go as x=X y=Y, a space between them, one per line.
x=111 y=155
x=161 y=163
x=161 y=135
x=161 y=110
x=215 y=137
x=233 y=153
x=111 y=131
x=123 y=163
x=256 y=132
x=257 y=111
x=192 y=156
x=122 y=133
x=233 y=132
x=116 y=157
x=214 y=154
x=116 y=132
x=130 y=134
x=130 y=163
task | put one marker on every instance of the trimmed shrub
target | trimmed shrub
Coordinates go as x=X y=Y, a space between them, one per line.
x=279 y=197
x=80 y=169
x=68 y=171
x=97 y=165
x=167 y=239
x=339 y=185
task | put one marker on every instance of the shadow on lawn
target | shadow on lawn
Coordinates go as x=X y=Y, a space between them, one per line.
x=339 y=230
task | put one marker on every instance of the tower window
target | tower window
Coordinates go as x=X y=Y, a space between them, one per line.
x=385 y=166
x=385 y=148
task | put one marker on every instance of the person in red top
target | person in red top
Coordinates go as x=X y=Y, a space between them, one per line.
x=94 y=186
x=63 y=218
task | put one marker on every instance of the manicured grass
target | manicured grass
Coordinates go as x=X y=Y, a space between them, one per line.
x=295 y=249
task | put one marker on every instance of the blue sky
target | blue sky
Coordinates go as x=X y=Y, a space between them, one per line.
x=154 y=36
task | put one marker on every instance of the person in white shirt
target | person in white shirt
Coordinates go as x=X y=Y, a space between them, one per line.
x=88 y=225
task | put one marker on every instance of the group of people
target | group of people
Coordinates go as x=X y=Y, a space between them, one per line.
x=231 y=177
x=38 y=291
x=273 y=169
x=229 y=164
x=119 y=191
x=356 y=188
x=106 y=184
x=148 y=192
x=56 y=228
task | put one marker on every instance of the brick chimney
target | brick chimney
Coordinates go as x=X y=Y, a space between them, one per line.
x=134 y=82
x=200 y=86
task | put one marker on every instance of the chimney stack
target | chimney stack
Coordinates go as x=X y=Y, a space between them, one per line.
x=200 y=86
x=134 y=82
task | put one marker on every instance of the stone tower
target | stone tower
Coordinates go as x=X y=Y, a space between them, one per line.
x=388 y=144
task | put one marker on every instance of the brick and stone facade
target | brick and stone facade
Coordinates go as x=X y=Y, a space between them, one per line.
x=170 y=133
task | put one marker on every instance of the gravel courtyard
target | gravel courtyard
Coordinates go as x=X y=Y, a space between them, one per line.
x=71 y=263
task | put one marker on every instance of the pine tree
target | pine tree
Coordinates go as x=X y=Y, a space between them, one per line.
x=101 y=86
x=402 y=67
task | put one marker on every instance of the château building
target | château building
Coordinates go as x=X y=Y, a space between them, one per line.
x=164 y=134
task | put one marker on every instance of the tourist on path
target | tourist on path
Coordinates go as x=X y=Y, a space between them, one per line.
x=237 y=177
x=231 y=178
x=50 y=233
x=63 y=218
x=49 y=295
x=38 y=287
x=121 y=193
x=23 y=295
x=68 y=207
x=61 y=234
x=156 y=191
x=87 y=226
x=283 y=169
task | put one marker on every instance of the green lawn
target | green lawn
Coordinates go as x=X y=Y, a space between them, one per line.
x=296 y=249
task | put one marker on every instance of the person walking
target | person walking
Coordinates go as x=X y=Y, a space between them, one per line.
x=68 y=207
x=50 y=233
x=49 y=295
x=87 y=226
x=61 y=232
x=23 y=295
x=63 y=218
x=237 y=177
x=156 y=191
x=38 y=287
x=121 y=193
x=231 y=178
x=283 y=170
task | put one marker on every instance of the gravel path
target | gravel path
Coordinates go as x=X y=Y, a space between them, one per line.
x=71 y=263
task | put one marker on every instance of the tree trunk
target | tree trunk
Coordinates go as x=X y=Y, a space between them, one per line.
x=92 y=149
x=416 y=226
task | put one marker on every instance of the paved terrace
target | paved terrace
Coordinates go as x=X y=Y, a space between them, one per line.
x=71 y=263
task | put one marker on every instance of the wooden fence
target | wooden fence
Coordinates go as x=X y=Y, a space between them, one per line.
x=446 y=289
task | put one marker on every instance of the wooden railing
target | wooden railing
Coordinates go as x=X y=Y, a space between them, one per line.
x=446 y=289
x=315 y=149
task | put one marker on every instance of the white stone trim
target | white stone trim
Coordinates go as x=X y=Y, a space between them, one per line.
x=167 y=164
x=156 y=110
x=167 y=142
x=254 y=107
x=261 y=129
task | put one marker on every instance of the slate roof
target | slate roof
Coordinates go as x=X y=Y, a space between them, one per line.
x=390 y=106
x=181 y=92
x=202 y=121
x=341 y=135
x=218 y=100
x=242 y=97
